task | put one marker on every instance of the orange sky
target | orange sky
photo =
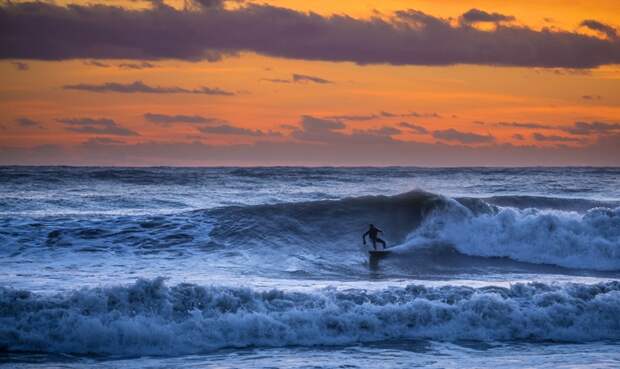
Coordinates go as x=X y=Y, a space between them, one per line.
x=467 y=98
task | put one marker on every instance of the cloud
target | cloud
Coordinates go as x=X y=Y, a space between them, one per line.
x=310 y=123
x=21 y=66
x=382 y=131
x=306 y=78
x=565 y=71
x=554 y=138
x=452 y=134
x=139 y=65
x=28 y=123
x=95 y=63
x=381 y=115
x=523 y=125
x=227 y=129
x=319 y=129
x=602 y=152
x=476 y=15
x=414 y=128
x=420 y=115
x=405 y=38
x=165 y=119
x=276 y=80
x=102 y=141
x=209 y=3
x=331 y=131
x=518 y=137
x=590 y=128
x=354 y=117
x=312 y=141
x=157 y=4
x=142 y=65
x=578 y=128
x=603 y=28
x=97 y=126
x=141 y=87
x=298 y=78
x=591 y=97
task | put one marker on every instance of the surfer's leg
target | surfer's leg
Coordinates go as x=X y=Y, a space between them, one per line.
x=374 y=244
x=381 y=242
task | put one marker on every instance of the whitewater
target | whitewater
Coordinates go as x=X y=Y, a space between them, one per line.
x=265 y=267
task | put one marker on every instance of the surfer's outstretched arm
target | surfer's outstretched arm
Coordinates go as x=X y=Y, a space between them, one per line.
x=364 y=237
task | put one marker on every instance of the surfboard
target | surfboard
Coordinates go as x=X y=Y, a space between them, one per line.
x=375 y=255
x=379 y=253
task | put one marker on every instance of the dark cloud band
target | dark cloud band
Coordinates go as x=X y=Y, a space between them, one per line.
x=38 y=30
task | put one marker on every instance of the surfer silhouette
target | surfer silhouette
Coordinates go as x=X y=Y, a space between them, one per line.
x=373 y=234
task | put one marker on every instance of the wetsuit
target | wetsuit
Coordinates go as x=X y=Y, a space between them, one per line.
x=373 y=234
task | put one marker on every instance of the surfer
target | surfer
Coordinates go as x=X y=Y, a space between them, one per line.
x=373 y=234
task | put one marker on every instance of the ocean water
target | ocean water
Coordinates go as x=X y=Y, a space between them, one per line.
x=265 y=268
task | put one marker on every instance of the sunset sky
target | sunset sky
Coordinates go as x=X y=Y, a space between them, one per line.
x=211 y=82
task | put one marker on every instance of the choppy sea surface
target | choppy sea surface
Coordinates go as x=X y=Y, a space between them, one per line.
x=265 y=268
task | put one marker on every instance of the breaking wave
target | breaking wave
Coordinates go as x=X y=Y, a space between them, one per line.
x=150 y=318
x=589 y=240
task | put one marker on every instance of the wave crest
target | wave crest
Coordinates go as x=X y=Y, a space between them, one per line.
x=589 y=240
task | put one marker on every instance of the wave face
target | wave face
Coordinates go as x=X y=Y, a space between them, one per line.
x=420 y=221
x=589 y=240
x=149 y=317
x=321 y=225
x=323 y=238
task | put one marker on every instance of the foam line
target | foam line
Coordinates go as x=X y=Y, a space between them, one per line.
x=149 y=317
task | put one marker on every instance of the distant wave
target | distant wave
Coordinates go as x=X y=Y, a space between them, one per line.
x=49 y=191
x=150 y=318
x=542 y=202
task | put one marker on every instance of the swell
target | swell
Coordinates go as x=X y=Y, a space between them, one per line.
x=542 y=231
x=319 y=237
x=150 y=318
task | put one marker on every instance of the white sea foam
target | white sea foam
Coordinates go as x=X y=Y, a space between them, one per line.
x=149 y=317
x=589 y=240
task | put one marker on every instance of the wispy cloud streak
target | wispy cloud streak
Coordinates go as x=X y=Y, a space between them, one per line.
x=141 y=87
